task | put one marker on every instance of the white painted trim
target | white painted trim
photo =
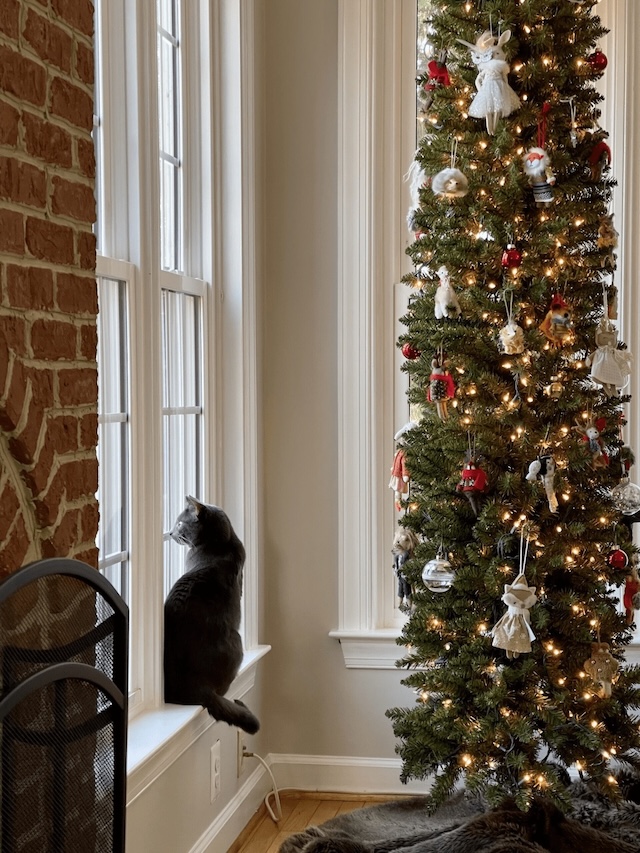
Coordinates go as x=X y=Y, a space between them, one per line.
x=159 y=737
x=376 y=100
x=369 y=650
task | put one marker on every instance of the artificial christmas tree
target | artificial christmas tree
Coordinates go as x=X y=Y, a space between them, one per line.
x=517 y=660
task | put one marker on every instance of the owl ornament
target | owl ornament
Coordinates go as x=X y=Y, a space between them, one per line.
x=512 y=632
x=601 y=668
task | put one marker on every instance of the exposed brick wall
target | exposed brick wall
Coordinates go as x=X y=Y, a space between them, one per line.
x=48 y=299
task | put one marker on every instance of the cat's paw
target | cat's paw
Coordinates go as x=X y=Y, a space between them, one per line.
x=250 y=724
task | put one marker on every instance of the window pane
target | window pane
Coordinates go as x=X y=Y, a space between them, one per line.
x=182 y=417
x=113 y=434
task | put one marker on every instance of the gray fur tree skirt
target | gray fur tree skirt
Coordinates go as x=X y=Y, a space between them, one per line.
x=462 y=825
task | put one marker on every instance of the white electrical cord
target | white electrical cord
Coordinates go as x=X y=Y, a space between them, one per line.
x=275 y=817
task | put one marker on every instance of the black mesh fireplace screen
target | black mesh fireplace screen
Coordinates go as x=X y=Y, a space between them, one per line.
x=63 y=710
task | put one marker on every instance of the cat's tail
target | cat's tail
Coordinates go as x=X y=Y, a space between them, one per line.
x=235 y=713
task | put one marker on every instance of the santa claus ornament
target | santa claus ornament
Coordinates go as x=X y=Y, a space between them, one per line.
x=537 y=168
x=441 y=387
x=557 y=325
x=495 y=98
x=602 y=668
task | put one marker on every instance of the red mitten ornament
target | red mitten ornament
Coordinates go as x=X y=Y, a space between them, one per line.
x=473 y=483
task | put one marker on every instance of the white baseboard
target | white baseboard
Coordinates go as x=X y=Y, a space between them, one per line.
x=342 y=774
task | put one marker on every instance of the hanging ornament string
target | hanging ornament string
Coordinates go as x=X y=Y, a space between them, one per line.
x=542 y=125
x=454 y=152
x=524 y=548
x=509 y=307
x=573 y=134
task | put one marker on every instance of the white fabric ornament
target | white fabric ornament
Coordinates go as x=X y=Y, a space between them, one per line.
x=446 y=301
x=513 y=631
x=537 y=167
x=511 y=335
x=495 y=98
x=450 y=183
x=610 y=367
x=545 y=468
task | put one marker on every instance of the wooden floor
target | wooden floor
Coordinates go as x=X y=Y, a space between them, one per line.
x=300 y=809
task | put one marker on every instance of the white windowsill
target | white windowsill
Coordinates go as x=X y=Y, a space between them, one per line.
x=156 y=738
x=369 y=649
x=378 y=649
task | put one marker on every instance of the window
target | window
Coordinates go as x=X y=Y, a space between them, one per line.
x=167 y=398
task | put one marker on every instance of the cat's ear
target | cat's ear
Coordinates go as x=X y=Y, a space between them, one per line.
x=195 y=505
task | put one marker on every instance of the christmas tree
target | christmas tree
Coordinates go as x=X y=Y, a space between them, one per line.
x=519 y=484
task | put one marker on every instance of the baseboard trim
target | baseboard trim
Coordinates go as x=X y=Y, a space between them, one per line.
x=334 y=773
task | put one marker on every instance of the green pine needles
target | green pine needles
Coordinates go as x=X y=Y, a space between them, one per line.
x=516 y=338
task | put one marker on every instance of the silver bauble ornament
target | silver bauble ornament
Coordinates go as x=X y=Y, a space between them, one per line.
x=438 y=574
x=626 y=497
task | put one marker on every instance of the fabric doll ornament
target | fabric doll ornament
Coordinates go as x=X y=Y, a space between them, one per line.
x=537 y=168
x=512 y=335
x=441 y=387
x=631 y=594
x=599 y=157
x=610 y=366
x=607 y=234
x=473 y=483
x=557 y=325
x=544 y=467
x=446 y=302
x=601 y=668
x=513 y=631
x=495 y=98
x=437 y=78
x=404 y=543
x=590 y=432
x=400 y=477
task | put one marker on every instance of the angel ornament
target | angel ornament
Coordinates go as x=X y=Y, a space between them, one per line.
x=511 y=335
x=513 y=631
x=544 y=467
x=495 y=98
x=610 y=366
x=601 y=668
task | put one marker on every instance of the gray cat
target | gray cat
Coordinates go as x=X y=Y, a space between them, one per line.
x=202 y=646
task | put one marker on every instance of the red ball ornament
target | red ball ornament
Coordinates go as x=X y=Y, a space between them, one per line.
x=597 y=60
x=511 y=257
x=410 y=352
x=617 y=558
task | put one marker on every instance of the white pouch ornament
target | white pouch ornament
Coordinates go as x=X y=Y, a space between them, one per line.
x=511 y=335
x=450 y=183
x=513 y=632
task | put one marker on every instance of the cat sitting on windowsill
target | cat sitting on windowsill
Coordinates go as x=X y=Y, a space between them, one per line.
x=202 y=645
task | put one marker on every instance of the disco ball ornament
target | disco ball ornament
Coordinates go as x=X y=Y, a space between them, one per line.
x=438 y=574
x=617 y=558
x=626 y=497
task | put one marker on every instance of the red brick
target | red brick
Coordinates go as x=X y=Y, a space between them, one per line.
x=10 y=18
x=86 y=157
x=64 y=537
x=47 y=141
x=90 y=557
x=89 y=431
x=77 y=294
x=89 y=518
x=50 y=42
x=79 y=478
x=24 y=446
x=78 y=386
x=22 y=183
x=4 y=364
x=69 y=102
x=89 y=341
x=13 y=329
x=53 y=340
x=41 y=380
x=9 y=124
x=84 y=63
x=30 y=287
x=73 y=199
x=86 y=250
x=62 y=432
x=77 y=13
x=22 y=77
x=49 y=241
x=11 y=412
x=9 y=506
x=15 y=549
x=11 y=232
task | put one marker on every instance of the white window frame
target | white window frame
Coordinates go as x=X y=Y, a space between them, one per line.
x=376 y=141
x=222 y=150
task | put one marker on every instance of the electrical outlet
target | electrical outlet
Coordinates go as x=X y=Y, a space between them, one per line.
x=215 y=770
x=240 y=746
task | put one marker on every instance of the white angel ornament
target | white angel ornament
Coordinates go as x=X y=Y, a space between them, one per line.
x=513 y=631
x=495 y=99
